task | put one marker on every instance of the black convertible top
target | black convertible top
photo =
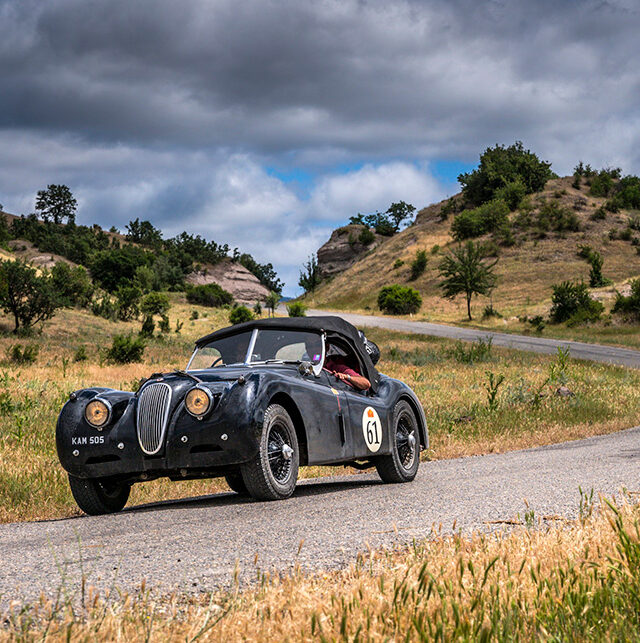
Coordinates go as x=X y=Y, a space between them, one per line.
x=332 y=326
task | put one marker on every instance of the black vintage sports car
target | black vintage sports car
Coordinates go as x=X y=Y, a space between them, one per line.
x=253 y=404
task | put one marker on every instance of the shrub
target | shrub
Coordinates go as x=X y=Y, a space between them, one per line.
x=486 y=218
x=105 y=307
x=571 y=299
x=164 y=325
x=117 y=267
x=490 y=311
x=397 y=263
x=240 y=314
x=194 y=314
x=501 y=166
x=626 y=234
x=554 y=216
x=419 y=264
x=478 y=351
x=629 y=305
x=257 y=309
x=399 y=300
x=538 y=323
x=81 y=354
x=366 y=237
x=634 y=222
x=599 y=215
x=126 y=349
x=26 y=354
x=211 y=295
x=296 y=309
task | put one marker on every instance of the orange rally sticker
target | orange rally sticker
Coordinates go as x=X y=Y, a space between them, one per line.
x=370 y=413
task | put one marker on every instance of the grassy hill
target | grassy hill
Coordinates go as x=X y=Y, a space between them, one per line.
x=526 y=270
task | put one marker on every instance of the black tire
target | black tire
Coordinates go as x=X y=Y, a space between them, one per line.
x=236 y=483
x=273 y=472
x=96 y=498
x=401 y=465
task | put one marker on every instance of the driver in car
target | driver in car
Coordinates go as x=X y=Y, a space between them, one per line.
x=336 y=365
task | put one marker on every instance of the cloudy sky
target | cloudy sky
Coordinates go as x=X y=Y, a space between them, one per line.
x=265 y=124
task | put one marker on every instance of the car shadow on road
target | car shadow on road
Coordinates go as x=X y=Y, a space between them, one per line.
x=224 y=499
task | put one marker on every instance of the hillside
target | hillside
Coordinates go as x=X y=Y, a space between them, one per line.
x=526 y=270
x=227 y=272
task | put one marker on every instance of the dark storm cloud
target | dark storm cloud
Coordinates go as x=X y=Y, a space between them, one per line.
x=374 y=78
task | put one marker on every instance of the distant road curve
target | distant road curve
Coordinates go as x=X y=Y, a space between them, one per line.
x=580 y=350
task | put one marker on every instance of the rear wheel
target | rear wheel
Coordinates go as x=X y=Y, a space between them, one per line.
x=236 y=483
x=401 y=465
x=273 y=472
x=97 y=497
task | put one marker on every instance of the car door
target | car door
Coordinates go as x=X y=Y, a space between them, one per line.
x=365 y=420
x=325 y=411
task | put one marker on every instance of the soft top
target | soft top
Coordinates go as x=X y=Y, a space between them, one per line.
x=332 y=326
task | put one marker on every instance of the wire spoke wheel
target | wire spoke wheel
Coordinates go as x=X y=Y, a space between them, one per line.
x=401 y=465
x=406 y=442
x=279 y=453
x=273 y=472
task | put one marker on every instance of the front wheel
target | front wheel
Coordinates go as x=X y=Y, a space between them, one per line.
x=401 y=465
x=272 y=474
x=97 y=497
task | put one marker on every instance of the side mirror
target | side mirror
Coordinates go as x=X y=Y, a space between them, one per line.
x=305 y=368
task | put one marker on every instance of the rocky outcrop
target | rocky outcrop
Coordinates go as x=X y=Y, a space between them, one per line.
x=344 y=247
x=234 y=278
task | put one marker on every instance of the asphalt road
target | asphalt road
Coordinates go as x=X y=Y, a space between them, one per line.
x=196 y=544
x=580 y=350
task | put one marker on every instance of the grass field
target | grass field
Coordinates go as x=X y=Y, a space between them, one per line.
x=548 y=579
x=449 y=378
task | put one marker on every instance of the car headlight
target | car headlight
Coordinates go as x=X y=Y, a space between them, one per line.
x=97 y=413
x=198 y=401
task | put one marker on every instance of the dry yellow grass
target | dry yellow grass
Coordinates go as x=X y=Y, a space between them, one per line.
x=566 y=580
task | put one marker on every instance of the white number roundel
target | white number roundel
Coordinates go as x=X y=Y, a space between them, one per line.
x=371 y=429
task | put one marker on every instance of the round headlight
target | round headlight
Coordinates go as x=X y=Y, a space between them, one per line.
x=97 y=413
x=198 y=401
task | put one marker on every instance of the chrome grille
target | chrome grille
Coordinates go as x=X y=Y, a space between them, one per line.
x=153 y=416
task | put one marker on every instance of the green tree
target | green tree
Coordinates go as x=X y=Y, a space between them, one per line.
x=144 y=233
x=501 y=166
x=56 y=204
x=399 y=212
x=127 y=302
x=466 y=270
x=155 y=303
x=72 y=284
x=310 y=275
x=29 y=297
x=271 y=302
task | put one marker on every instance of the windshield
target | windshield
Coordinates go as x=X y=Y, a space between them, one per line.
x=260 y=346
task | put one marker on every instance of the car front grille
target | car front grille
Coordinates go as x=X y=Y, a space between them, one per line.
x=153 y=416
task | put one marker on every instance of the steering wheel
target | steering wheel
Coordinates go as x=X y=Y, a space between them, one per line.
x=216 y=361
